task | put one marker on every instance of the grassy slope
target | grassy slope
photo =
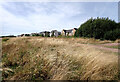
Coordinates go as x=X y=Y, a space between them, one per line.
x=58 y=59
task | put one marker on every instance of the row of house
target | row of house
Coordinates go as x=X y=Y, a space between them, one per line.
x=55 y=33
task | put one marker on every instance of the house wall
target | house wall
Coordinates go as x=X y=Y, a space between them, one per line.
x=56 y=34
x=43 y=34
x=63 y=33
x=74 y=32
x=70 y=34
x=50 y=34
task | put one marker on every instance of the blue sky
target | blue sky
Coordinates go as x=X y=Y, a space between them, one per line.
x=29 y=17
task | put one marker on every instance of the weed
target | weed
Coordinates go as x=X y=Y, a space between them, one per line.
x=4 y=55
x=5 y=39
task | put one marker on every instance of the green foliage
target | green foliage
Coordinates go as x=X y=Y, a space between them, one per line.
x=60 y=36
x=4 y=55
x=52 y=34
x=68 y=34
x=35 y=35
x=100 y=28
x=27 y=35
x=41 y=35
x=113 y=34
x=5 y=39
x=47 y=34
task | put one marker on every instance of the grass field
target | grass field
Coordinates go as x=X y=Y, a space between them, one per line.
x=38 y=58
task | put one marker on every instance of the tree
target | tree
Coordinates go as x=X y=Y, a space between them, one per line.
x=47 y=34
x=52 y=34
x=98 y=28
x=113 y=34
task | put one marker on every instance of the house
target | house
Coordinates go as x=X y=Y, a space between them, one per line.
x=20 y=35
x=23 y=35
x=74 y=30
x=70 y=32
x=55 y=33
x=35 y=34
x=45 y=33
x=26 y=34
x=42 y=33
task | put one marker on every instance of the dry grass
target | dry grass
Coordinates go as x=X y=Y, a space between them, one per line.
x=40 y=58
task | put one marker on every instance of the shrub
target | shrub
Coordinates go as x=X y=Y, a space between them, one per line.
x=100 y=28
x=35 y=35
x=113 y=34
x=5 y=39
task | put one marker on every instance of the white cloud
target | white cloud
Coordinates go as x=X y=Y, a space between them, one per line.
x=11 y=23
x=27 y=17
x=44 y=17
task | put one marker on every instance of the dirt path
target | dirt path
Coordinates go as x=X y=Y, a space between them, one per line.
x=105 y=48
x=102 y=46
x=111 y=44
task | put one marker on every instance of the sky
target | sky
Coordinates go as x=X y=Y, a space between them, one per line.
x=31 y=17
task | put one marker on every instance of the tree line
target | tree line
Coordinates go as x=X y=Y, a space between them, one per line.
x=99 y=28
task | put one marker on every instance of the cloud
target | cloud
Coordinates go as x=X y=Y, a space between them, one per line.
x=27 y=17
x=11 y=22
x=31 y=17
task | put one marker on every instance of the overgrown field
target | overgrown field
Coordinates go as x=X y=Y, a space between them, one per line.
x=38 y=58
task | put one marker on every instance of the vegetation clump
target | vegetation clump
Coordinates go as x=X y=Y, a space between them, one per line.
x=5 y=39
x=100 y=28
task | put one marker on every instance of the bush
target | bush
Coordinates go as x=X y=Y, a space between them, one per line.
x=41 y=35
x=112 y=35
x=5 y=39
x=35 y=35
x=100 y=28
x=47 y=34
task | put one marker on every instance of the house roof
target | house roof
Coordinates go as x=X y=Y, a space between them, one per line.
x=54 y=31
x=34 y=33
x=45 y=32
x=68 y=31
x=75 y=28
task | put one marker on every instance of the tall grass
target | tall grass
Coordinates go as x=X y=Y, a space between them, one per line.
x=5 y=39
x=56 y=59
